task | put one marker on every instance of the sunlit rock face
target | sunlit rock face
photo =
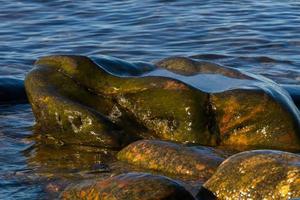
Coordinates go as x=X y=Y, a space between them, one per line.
x=199 y=162
x=258 y=174
x=130 y=186
x=109 y=102
x=249 y=110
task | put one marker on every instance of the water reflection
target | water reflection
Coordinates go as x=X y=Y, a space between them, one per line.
x=259 y=36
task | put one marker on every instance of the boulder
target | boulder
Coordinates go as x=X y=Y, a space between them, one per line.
x=258 y=174
x=69 y=162
x=68 y=112
x=248 y=110
x=146 y=104
x=198 y=162
x=130 y=186
x=177 y=99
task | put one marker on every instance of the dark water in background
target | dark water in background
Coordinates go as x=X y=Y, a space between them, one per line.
x=262 y=37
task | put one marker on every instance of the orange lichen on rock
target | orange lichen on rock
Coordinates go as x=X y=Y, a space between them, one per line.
x=200 y=162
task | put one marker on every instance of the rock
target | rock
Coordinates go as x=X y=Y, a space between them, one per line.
x=12 y=91
x=131 y=186
x=179 y=99
x=254 y=119
x=249 y=111
x=259 y=174
x=70 y=161
x=90 y=87
x=199 y=162
x=62 y=106
x=190 y=67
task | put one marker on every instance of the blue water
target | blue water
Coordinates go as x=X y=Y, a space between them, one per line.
x=262 y=37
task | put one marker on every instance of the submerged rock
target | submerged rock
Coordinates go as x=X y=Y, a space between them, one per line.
x=177 y=99
x=12 y=91
x=69 y=161
x=259 y=174
x=199 y=162
x=131 y=186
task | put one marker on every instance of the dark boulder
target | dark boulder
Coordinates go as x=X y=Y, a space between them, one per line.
x=131 y=186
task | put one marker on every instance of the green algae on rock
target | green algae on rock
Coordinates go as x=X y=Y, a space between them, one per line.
x=158 y=114
x=255 y=113
x=179 y=99
x=130 y=186
x=199 y=162
x=61 y=108
x=258 y=174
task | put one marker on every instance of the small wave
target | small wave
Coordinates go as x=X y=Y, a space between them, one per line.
x=209 y=56
x=252 y=59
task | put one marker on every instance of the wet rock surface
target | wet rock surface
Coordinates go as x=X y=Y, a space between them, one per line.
x=251 y=111
x=141 y=99
x=177 y=99
x=131 y=186
x=58 y=105
x=179 y=118
x=198 y=162
x=258 y=174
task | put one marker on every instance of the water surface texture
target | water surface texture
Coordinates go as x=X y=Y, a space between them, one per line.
x=262 y=37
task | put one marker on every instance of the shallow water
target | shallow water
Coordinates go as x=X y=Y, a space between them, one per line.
x=258 y=36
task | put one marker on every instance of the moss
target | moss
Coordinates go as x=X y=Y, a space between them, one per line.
x=158 y=110
x=57 y=103
x=258 y=114
x=260 y=174
x=150 y=102
x=95 y=78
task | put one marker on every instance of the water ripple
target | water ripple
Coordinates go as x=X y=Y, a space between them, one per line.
x=259 y=36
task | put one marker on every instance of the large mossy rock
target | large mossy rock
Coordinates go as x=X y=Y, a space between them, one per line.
x=259 y=174
x=249 y=110
x=199 y=162
x=62 y=84
x=61 y=108
x=131 y=186
x=177 y=99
